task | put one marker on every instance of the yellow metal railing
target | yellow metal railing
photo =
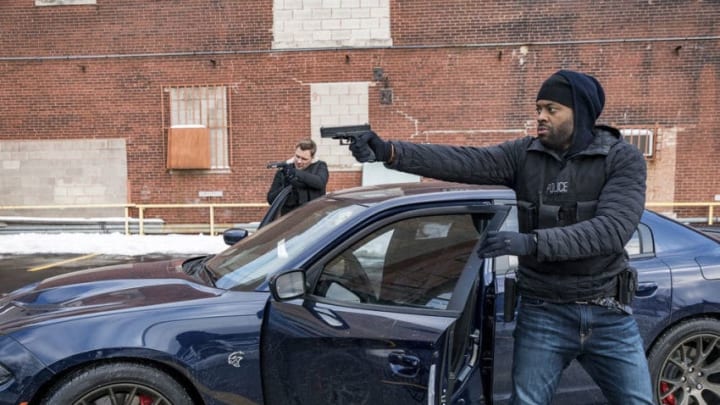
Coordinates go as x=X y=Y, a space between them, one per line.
x=142 y=207
x=141 y=210
x=211 y=209
x=711 y=206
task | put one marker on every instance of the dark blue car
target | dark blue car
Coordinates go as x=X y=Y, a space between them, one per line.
x=367 y=296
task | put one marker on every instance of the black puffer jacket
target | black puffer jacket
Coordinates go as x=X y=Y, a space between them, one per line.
x=578 y=256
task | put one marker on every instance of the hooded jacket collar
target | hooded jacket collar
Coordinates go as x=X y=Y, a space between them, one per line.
x=588 y=102
x=601 y=139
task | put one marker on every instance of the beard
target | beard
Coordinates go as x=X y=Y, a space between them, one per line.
x=557 y=138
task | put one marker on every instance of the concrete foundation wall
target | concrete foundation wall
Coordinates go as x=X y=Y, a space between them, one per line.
x=64 y=172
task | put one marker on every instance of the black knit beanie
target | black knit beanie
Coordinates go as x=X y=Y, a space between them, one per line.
x=556 y=88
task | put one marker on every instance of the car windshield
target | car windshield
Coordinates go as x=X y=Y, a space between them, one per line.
x=248 y=263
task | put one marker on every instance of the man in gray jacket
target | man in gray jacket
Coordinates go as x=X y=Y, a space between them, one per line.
x=580 y=193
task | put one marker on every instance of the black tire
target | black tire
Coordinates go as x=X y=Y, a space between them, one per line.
x=684 y=364
x=126 y=383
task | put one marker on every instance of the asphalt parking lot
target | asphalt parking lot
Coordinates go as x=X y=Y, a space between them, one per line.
x=19 y=270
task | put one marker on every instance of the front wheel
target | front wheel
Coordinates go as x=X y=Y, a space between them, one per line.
x=118 y=383
x=685 y=364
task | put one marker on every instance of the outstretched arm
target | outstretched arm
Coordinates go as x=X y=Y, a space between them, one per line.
x=477 y=165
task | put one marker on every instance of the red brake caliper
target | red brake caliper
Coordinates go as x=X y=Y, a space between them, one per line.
x=146 y=400
x=670 y=399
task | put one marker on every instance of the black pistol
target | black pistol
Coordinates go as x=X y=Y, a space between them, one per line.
x=278 y=165
x=347 y=134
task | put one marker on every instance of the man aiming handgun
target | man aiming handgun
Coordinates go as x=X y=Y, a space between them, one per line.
x=307 y=176
x=580 y=191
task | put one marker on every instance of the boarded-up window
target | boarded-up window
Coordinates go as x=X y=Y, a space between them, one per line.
x=188 y=147
x=197 y=113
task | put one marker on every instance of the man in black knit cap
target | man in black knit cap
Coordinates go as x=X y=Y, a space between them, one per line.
x=580 y=194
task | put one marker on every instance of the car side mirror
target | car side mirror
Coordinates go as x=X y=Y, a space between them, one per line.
x=287 y=286
x=234 y=235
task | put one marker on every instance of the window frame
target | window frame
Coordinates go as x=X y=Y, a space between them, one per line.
x=220 y=160
x=646 y=243
x=635 y=134
x=454 y=308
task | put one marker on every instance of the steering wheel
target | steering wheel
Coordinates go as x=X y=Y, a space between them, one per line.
x=351 y=277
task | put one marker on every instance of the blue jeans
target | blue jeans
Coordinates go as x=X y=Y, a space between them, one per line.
x=606 y=342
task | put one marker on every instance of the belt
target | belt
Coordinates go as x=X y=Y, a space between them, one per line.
x=606 y=302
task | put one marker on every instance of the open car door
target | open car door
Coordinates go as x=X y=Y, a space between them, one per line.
x=393 y=316
x=234 y=235
x=273 y=211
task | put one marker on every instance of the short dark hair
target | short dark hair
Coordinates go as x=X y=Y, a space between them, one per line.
x=307 y=144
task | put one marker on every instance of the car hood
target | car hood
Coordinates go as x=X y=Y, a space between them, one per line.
x=99 y=290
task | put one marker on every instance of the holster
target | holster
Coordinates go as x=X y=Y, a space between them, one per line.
x=510 y=299
x=627 y=285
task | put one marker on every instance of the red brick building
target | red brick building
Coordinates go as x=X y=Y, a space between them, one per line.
x=92 y=90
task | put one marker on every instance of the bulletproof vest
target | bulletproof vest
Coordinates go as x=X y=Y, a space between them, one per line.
x=558 y=193
x=551 y=193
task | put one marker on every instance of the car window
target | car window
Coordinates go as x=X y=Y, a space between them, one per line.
x=641 y=243
x=413 y=262
x=507 y=263
x=246 y=265
x=633 y=246
x=711 y=232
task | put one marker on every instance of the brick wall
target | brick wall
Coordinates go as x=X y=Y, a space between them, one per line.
x=463 y=72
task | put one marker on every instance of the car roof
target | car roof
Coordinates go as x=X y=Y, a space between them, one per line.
x=422 y=192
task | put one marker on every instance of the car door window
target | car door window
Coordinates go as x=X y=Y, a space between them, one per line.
x=507 y=263
x=641 y=244
x=413 y=262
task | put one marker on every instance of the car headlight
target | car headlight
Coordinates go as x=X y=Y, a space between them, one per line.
x=5 y=375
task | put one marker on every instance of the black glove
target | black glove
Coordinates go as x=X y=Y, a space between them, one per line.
x=369 y=147
x=289 y=172
x=508 y=243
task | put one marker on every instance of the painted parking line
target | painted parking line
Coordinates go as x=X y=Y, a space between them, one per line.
x=60 y=263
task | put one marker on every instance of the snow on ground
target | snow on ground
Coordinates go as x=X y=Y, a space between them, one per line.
x=110 y=244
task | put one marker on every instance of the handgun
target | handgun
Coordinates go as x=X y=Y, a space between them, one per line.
x=347 y=134
x=278 y=165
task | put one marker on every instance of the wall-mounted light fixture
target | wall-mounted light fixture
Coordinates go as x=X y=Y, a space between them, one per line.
x=386 y=96
x=386 y=92
x=378 y=74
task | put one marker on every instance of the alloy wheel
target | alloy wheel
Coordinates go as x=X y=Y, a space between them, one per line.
x=690 y=374
x=123 y=394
